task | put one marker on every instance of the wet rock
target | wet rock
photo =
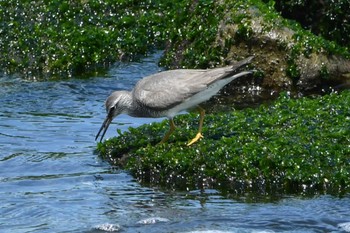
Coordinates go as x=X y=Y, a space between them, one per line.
x=319 y=69
x=287 y=56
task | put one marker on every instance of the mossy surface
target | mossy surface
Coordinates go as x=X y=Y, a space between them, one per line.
x=258 y=21
x=291 y=146
x=284 y=50
x=330 y=19
x=69 y=38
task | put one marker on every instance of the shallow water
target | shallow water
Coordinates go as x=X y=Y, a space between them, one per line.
x=51 y=179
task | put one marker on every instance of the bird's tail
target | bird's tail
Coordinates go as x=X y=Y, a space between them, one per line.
x=236 y=67
x=227 y=73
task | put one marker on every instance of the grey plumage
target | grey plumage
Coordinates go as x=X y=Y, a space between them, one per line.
x=166 y=93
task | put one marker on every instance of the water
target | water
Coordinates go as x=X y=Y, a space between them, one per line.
x=51 y=179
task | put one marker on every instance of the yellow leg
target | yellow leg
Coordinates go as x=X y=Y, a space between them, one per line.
x=201 y=120
x=171 y=130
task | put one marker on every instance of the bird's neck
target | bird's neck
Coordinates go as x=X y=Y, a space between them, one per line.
x=132 y=107
x=126 y=103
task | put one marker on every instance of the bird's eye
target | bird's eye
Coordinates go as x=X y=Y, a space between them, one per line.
x=112 y=108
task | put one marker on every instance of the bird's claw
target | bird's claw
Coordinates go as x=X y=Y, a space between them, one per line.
x=195 y=139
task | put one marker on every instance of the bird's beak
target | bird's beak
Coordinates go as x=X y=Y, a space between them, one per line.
x=104 y=126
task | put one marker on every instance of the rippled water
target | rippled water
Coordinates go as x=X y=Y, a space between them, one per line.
x=51 y=180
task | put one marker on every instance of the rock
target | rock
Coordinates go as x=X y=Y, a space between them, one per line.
x=289 y=57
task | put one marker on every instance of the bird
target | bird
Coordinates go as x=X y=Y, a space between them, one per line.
x=167 y=93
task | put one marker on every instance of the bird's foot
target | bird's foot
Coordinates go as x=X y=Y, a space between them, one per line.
x=195 y=139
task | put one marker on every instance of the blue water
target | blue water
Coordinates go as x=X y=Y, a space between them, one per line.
x=51 y=179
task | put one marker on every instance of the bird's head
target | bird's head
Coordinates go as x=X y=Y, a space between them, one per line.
x=115 y=105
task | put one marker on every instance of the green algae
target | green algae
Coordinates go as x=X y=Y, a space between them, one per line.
x=241 y=28
x=66 y=38
x=70 y=38
x=329 y=19
x=290 y=146
x=191 y=35
x=292 y=38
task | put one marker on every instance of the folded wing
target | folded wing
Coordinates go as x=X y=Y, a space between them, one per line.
x=167 y=89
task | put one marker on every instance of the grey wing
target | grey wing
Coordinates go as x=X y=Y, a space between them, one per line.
x=168 y=88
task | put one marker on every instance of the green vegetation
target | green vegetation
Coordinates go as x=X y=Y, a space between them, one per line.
x=301 y=43
x=66 y=38
x=329 y=19
x=291 y=146
x=69 y=38
x=192 y=35
x=195 y=47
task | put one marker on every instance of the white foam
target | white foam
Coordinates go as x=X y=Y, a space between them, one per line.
x=108 y=227
x=345 y=226
x=152 y=220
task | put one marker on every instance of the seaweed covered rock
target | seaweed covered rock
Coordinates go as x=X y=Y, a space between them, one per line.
x=65 y=38
x=288 y=56
x=329 y=19
x=53 y=39
x=291 y=146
